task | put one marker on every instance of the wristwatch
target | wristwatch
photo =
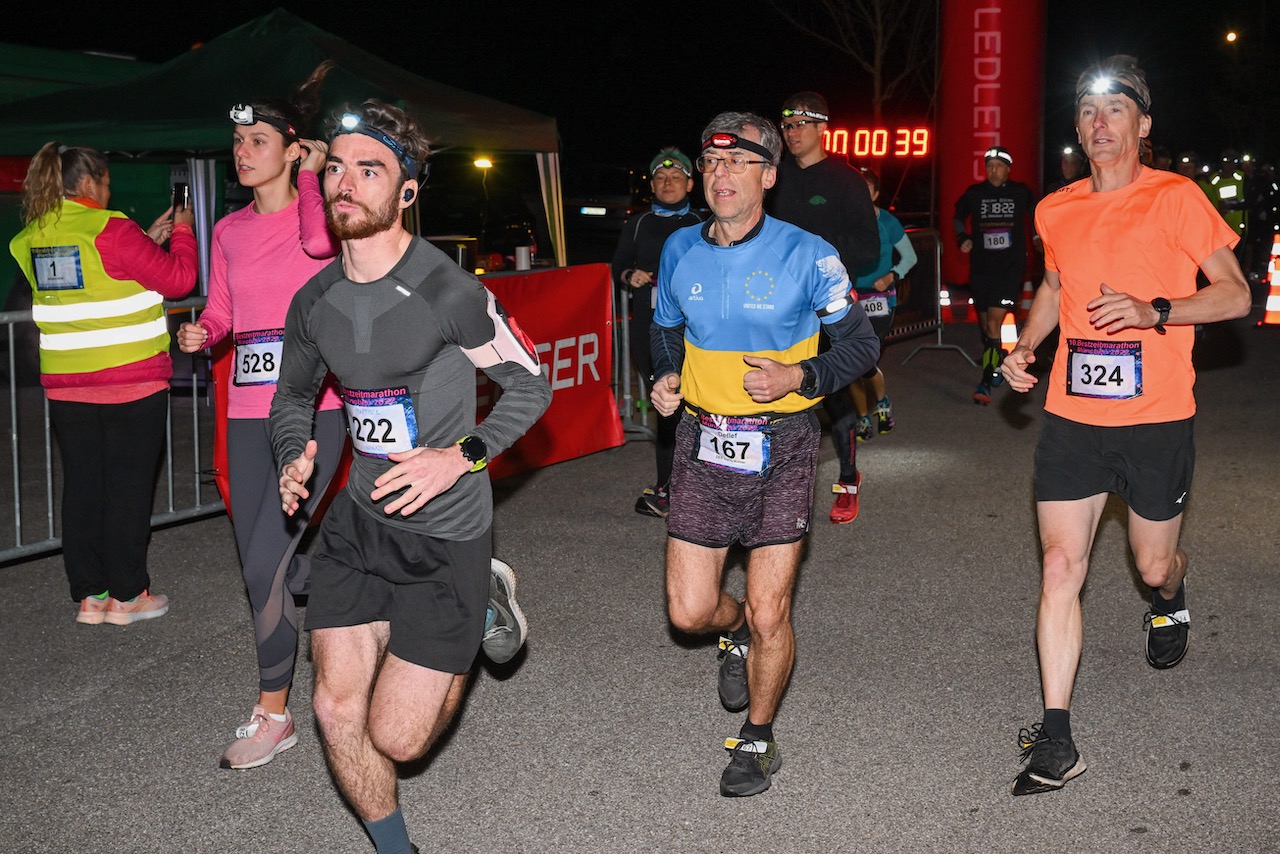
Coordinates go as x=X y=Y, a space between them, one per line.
x=809 y=381
x=474 y=451
x=1161 y=305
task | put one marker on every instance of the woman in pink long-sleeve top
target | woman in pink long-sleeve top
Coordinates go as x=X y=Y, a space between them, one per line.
x=98 y=286
x=261 y=255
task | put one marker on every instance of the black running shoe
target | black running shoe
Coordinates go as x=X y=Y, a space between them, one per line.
x=1167 y=636
x=654 y=501
x=1053 y=762
x=751 y=764
x=733 y=674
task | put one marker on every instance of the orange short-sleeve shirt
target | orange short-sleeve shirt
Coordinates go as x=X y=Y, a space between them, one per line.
x=1146 y=239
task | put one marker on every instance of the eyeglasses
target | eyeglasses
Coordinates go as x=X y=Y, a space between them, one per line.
x=735 y=165
x=786 y=126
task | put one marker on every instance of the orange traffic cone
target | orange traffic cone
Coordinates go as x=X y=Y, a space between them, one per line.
x=1028 y=295
x=1008 y=333
x=1271 y=317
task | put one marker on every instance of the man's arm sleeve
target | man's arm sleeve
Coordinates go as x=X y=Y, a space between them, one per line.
x=666 y=346
x=861 y=250
x=302 y=370
x=854 y=351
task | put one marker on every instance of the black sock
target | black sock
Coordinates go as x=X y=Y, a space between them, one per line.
x=1057 y=724
x=1161 y=605
x=742 y=634
x=756 y=732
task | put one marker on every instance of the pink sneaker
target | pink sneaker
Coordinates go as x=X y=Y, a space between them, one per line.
x=144 y=606
x=93 y=611
x=258 y=741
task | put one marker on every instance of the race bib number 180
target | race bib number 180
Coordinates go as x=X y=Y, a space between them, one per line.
x=997 y=240
x=1104 y=369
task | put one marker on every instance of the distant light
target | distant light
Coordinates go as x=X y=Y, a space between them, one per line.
x=1231 y=37
x=483 y=163
x=591 y=210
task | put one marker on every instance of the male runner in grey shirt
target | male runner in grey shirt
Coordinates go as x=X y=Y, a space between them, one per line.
x=400 y=571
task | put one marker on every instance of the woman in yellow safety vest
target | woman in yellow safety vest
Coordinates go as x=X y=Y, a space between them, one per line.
x=98 y=282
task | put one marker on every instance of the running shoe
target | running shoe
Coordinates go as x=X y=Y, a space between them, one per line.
x=1052 y=762
x=751 y=765
x=883 y=412
x=505 y=633
x=732 y=681
x=982 y=394
x=259 y=741
x=93 y=611
x=864 y=432
x=654 y=501
x=144 y=606
x=1167 y=637
x=845 y=508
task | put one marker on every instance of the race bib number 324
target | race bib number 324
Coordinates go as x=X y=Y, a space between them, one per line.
x=1110 y=370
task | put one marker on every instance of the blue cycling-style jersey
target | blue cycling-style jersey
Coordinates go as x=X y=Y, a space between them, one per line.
x=891 y=231
x=761 y=297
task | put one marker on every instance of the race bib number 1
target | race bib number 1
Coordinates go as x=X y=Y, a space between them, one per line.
x=380 y=422
x=738 y=443
x=1111 y=370
x=57 y=268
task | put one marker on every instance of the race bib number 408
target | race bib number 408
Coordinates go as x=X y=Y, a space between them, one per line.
x=380 y=422
x=1110 y=370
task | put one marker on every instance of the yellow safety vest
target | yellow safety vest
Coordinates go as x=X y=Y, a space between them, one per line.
x=89 y=321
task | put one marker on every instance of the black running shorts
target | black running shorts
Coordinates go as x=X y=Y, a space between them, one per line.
x=714 y=507
x=1149 y=465
x=992 y=290
x=433 y=592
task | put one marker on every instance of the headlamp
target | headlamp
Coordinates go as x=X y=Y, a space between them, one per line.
x=355 y=123
x=732 y=140
x=1112 y=86
x=242 y=114
x=812 y=114
x=668 y=163
x=997 y=153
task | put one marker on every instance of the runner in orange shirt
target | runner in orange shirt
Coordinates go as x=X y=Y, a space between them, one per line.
x=1121 y=252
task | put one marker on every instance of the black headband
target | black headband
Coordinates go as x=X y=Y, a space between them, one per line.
x=732 y=140
x=1112 y=86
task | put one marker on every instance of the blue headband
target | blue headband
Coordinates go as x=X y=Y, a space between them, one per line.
x=353 y=123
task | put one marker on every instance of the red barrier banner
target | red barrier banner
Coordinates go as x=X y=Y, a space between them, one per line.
x=991 y=92
x=568 y=314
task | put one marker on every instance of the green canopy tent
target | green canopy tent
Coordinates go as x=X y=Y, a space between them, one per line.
x=181 y=106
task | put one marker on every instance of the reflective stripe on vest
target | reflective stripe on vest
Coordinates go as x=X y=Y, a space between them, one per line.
x=105 y=337
x=95 y=310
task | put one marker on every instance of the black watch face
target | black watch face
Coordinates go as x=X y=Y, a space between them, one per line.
x=474 y=449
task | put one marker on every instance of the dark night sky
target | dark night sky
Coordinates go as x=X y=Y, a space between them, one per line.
x=622 y=80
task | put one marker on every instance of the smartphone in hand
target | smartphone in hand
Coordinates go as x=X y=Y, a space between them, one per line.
x=181 y=196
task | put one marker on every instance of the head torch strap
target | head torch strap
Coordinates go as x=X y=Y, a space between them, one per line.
x=812 y=114
x=242 y=114
x=732 y=140
x=1111 y=86
x=351 y=123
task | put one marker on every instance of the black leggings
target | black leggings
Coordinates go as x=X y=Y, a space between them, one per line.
x=110 y=456
x=267 y=538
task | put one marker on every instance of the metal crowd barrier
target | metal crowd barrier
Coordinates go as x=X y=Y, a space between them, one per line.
x=184 y=491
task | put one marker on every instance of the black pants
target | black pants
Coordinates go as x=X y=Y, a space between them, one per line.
x=110 y=456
